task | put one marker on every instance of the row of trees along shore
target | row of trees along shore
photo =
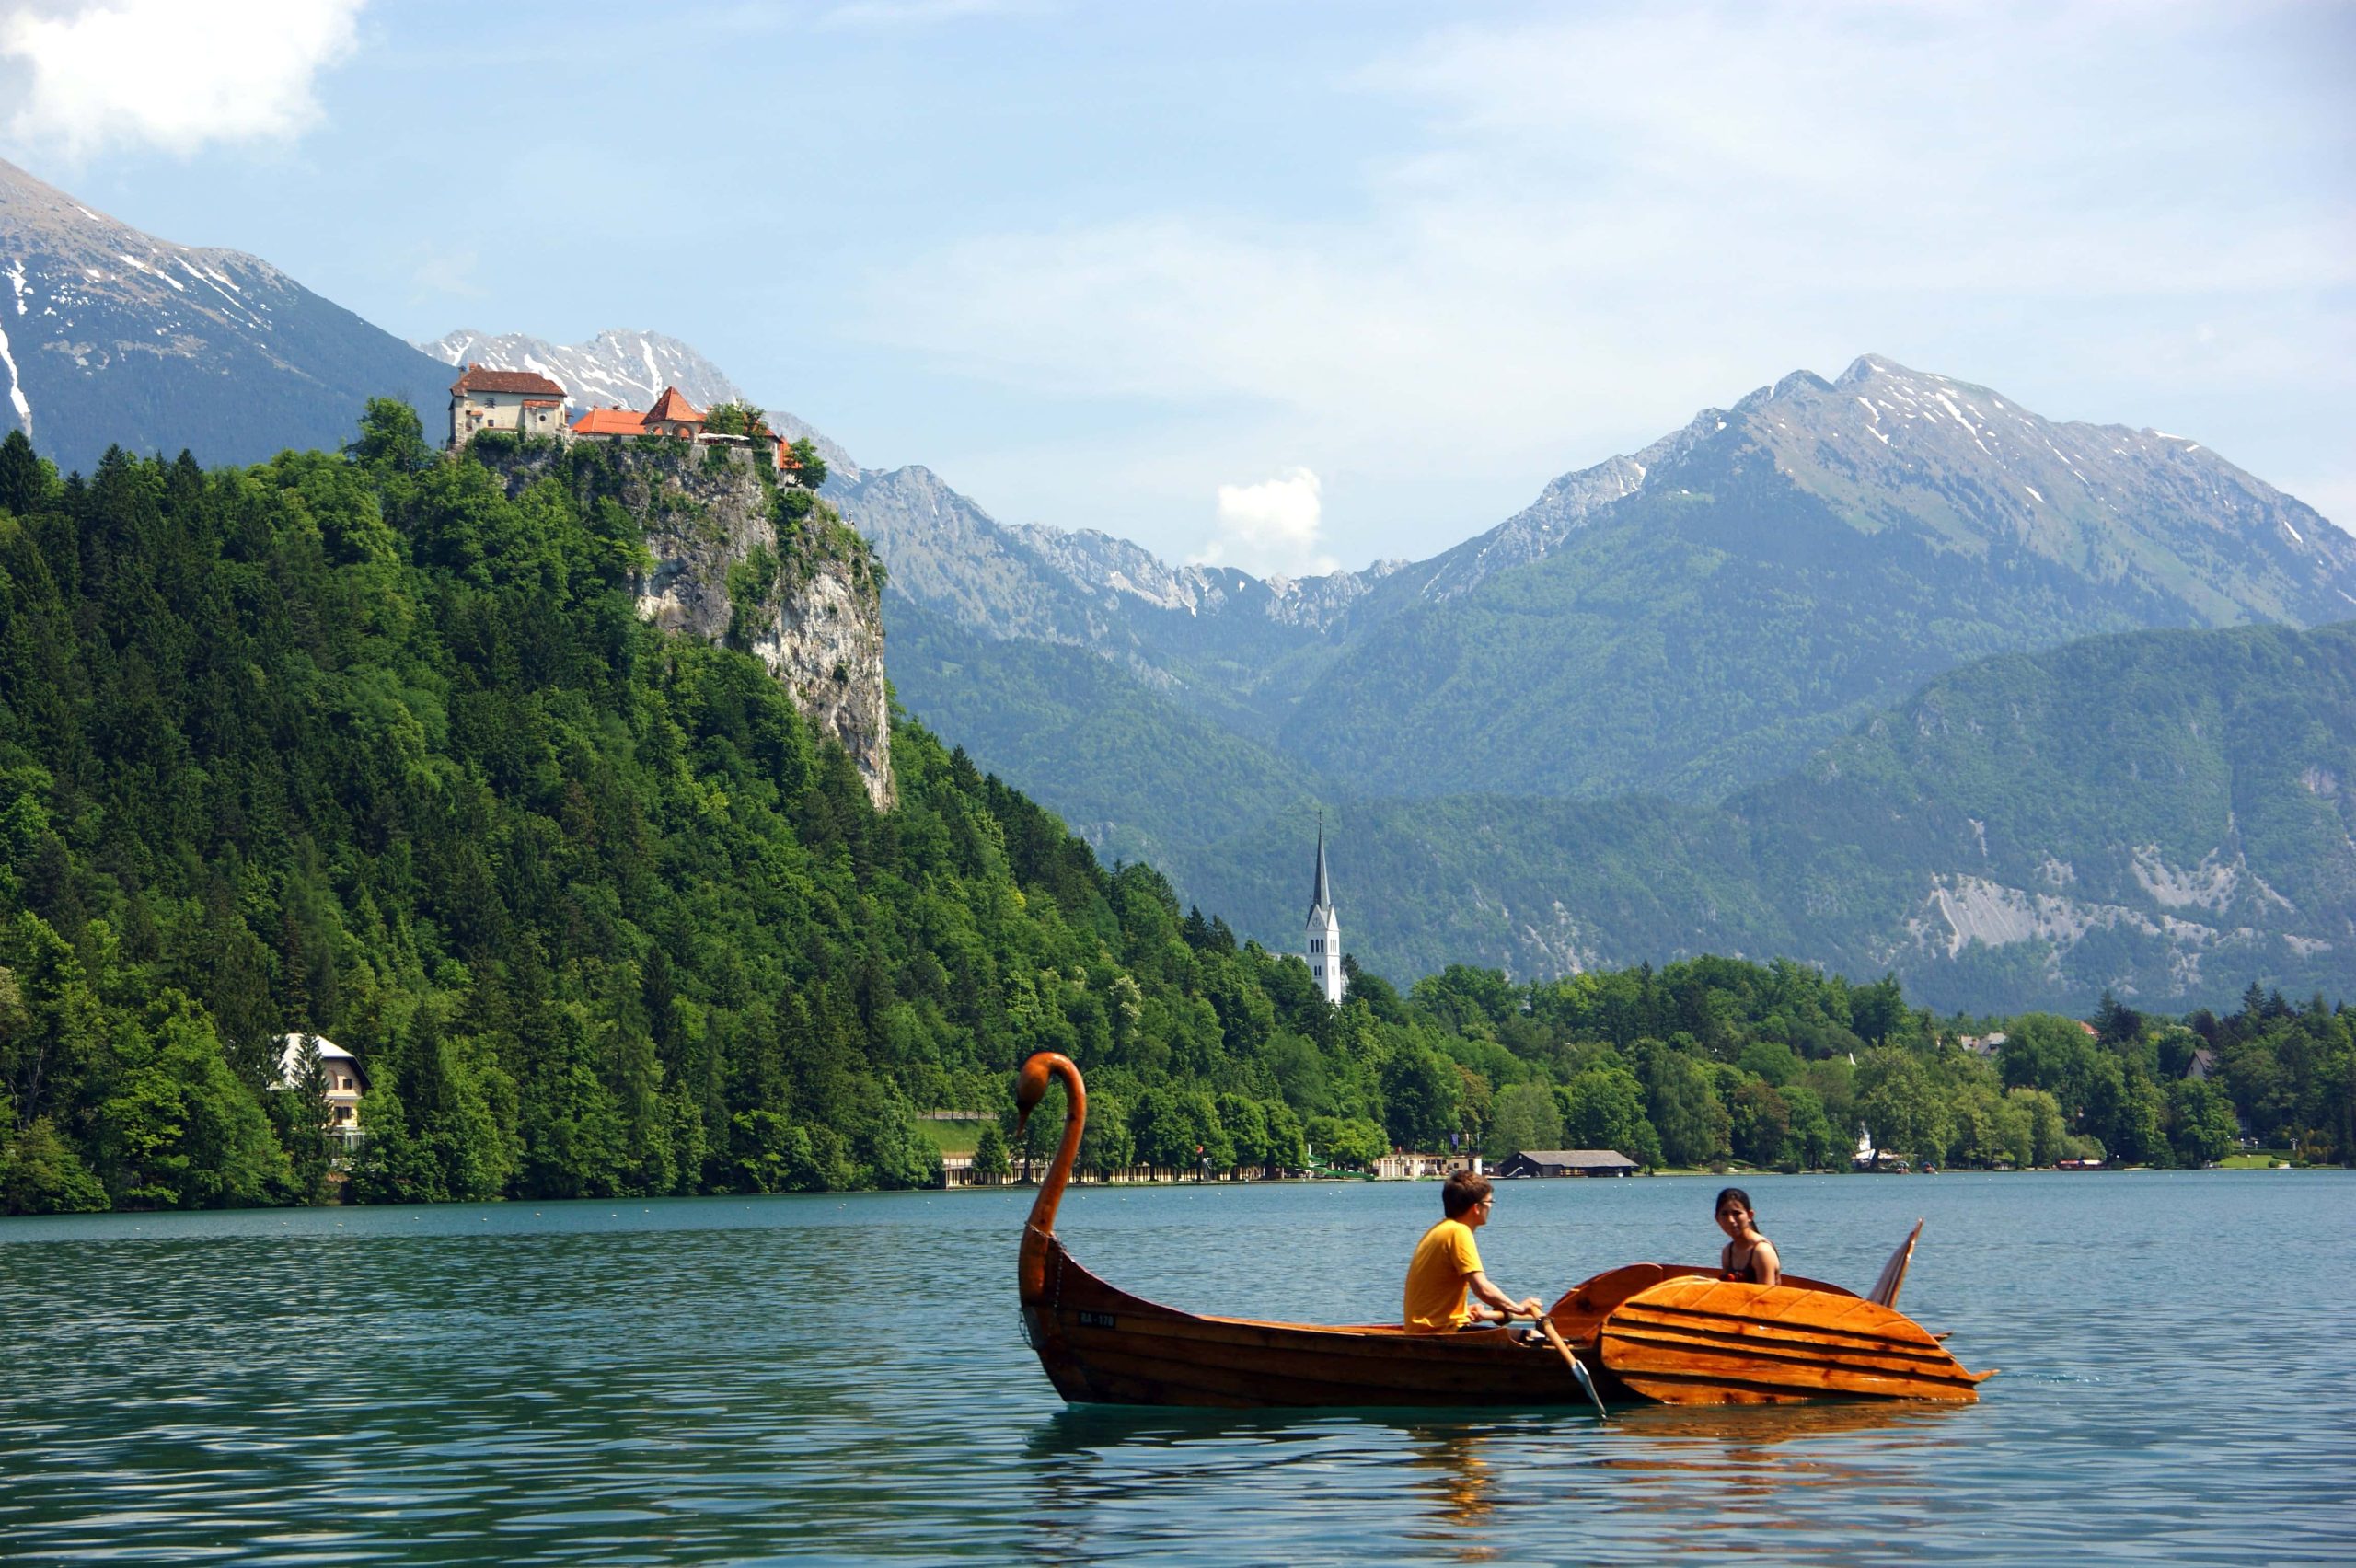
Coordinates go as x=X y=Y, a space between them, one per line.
x=355 y=744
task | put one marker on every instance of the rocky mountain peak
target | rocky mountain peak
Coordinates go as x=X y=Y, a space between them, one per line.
x=110 y=336
x=1972 y=470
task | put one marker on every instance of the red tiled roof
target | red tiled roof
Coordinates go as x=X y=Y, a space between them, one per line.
x=479 y=379
x=671 y=405
x=611 y=421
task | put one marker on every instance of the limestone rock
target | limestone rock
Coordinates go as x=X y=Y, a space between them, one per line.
x=816 y=622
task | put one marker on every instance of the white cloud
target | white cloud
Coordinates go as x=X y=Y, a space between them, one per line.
x=1603 y=223
x=1272 y=529
x=170 y=74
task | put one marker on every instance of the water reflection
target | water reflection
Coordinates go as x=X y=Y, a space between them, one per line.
x=682 y=1383
x=1467 y=1489
x=1453 y=1476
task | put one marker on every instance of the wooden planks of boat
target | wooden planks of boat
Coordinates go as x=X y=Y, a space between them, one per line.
x=1676 y=1341
x=1100 y=1345
x=1703 y=1341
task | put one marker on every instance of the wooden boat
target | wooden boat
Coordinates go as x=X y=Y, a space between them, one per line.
x=1666 y=1334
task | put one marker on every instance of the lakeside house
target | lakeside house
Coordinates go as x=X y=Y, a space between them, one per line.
x=344 y=1081
x=1400 y=1165
x=1560 y=1162
x=523 y=401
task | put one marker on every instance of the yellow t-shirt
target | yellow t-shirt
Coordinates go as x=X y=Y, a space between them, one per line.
x=1444 y=1265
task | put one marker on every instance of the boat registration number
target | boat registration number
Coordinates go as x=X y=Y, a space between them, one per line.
x=1099 y=1320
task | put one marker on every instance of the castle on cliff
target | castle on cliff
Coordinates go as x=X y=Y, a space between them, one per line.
x=526 y=403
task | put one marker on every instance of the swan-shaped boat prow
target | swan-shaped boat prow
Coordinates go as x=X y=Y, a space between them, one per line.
x=1654 y=1332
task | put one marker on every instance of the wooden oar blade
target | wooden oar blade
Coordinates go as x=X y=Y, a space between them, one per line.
x=1694 y=1341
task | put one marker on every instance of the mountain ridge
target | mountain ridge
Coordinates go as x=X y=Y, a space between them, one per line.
x=110 y=336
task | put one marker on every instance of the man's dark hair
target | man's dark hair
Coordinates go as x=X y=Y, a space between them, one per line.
x=1463 y=1190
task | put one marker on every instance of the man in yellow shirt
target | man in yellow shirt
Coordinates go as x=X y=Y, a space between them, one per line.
x=1446 y=1264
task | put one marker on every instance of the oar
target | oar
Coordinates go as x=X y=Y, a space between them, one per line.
x=1555 y=1337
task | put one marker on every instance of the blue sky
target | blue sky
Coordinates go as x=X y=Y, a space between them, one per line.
x=1286 y=286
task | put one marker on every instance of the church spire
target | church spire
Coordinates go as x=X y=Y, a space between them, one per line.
x=1321 y=896
x=1324 y=935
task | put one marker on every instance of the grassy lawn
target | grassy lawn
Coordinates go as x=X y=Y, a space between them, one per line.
x=2259 y=1160
x=953 y=1137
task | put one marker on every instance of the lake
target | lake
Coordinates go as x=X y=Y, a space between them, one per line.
x=844 y=1378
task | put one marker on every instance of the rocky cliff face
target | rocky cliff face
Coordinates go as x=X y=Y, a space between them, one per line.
x=741 y=560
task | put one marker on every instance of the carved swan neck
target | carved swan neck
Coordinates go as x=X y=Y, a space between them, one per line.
x=1032 y=1085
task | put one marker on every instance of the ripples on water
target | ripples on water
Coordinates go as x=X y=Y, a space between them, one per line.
x=844 y=1378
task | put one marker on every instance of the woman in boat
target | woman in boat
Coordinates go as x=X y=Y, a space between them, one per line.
x=1747 y=1256
x=1446 y=1264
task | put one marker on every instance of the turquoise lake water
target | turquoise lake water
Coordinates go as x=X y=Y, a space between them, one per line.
x=845 y=1378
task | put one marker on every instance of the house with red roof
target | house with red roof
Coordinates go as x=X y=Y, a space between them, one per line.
x=609 y=424
x=673 y=416
x=521 y=400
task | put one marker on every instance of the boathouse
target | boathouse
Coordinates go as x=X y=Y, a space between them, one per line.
x=1568 y=1162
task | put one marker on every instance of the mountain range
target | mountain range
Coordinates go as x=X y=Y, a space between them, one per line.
x=112 y=337
x=1820 y=674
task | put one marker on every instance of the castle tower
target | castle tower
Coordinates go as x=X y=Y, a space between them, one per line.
x=1324 y=930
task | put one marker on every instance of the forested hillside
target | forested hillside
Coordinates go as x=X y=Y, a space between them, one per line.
x=2165 y=814
x=362 y=745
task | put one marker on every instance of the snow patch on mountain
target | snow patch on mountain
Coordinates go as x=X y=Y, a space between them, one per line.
x=16 y=398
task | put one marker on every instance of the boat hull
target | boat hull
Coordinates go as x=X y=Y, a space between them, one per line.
x=1102 y=1345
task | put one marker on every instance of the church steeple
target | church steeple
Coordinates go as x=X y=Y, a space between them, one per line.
x=1321 y=896
x=1324 y=953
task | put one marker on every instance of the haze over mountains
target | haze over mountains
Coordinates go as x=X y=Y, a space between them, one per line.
x=1856 y=670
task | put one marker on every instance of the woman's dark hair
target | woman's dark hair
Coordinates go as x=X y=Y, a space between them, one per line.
x=1739 y=1195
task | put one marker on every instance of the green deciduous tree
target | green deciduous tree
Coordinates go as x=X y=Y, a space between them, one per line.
x=1604 y=1108
x=1523 y=1116
x=990 y=1161
x=1901 y=1105
x=1420 y=1093
x=2201 y=1129
x=181 y=1131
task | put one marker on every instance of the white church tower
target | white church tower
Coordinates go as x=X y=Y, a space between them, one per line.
x=1324 y=930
